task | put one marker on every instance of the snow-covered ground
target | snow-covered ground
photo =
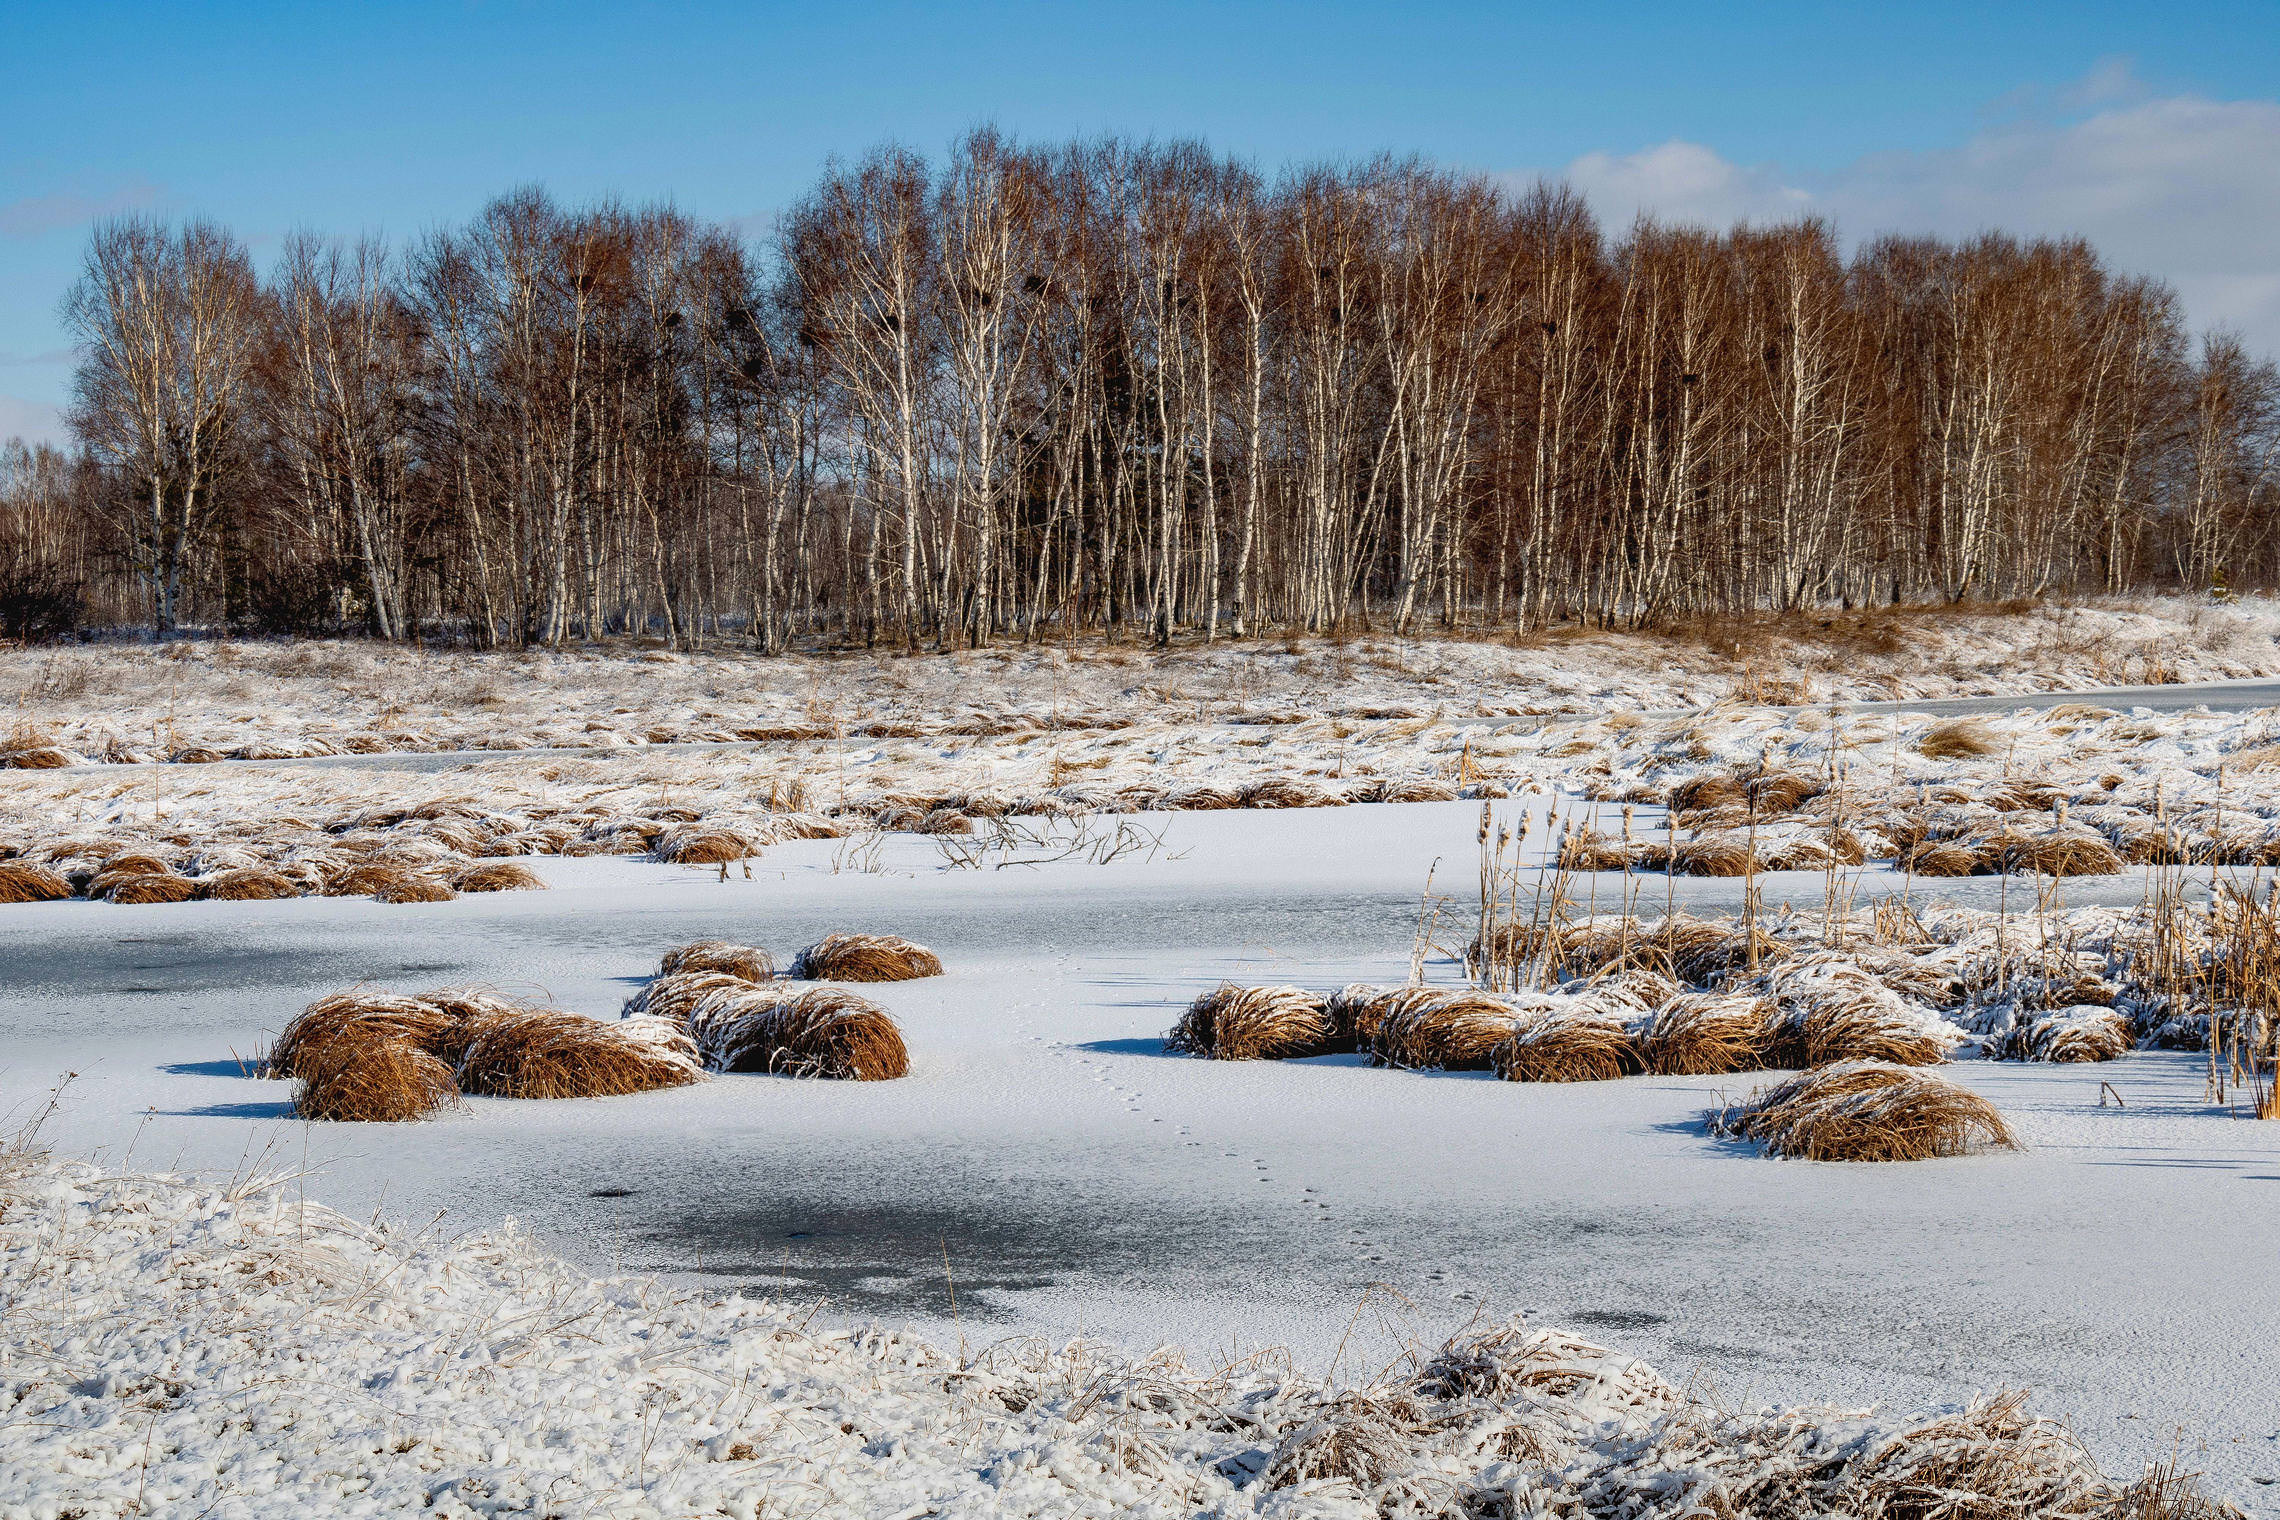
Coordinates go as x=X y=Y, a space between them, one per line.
x=205 y=700
x=1050 y=1171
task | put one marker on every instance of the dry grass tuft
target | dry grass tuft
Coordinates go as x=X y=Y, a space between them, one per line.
x=497 y=876
x=1956 y=739
x=1718 y=855
x=23 y=882
x=39 y=757
x=1441 y=1029
x=674 y=997
x=1591 y=850
x=357 y=1017
x=2085 y=1033
x=1947 y=857
x=747 y=961
x=137 y=887
x=1567 y=1045
x=865 y=958
x=412 y=887
x=370 y=1080
x=249 y=884
x=1231 y=1023
x=823 y=1032
x=2073 y=852
x=1866 y=1111
x=703 y=847
x=547 y=1053
x=1705 y=1034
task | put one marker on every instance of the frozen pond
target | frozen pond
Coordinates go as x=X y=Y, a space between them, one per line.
x=1047 y=1170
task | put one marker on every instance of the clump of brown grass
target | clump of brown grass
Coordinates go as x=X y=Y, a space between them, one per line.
x=703 y=846
x=747 y=961
x=413 y=887
x=1567 y=1045
x=1287 y=792
x=823 y=1032
x=39 y=757
x=1357 y=1011
x=1231 y=1023
x=1956 y=739
x=2071 y=1035
x=368 y=878
x=1441 y=1029
x=137 y=887
x=1591 y=850
x=370 y=1080
x=1866 y=1111
x=21 y=881
x=246 y=884
x=865 y=958
x=1718 y=855
x=674 y=997
x=357 y=1017
x=1947 y=857
x=1860 y=1030
x=497 y=876
x=1704 y=1034
x=2072 y=852
x=547 y=1053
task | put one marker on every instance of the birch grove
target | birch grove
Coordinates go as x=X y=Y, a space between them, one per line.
x=1031 y=391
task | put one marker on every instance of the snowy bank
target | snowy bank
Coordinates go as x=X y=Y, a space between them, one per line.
x=181 y=1348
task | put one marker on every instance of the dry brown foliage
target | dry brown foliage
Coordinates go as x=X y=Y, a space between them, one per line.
x=1231 y=1023
x=370 y=1079
x=1441 y=1029
x=497 y=876
x=138 y=887
x=823 y=1032
x=1947 y=857
x=358 y=1017
x=1866 y=1111
x=1718 y=855
x=1702 y=1034
x=413 y=887
x=1860 y=1030
x=674 y=997
x=36 y=758
x=1956 y=739
x=2070 y=853
x=249 y=884
x=747 y=961
x=547 y=1053
x=21 y=881
x=865 y=958
x=703 y=847
x=1567 y=1045
x=2074 y=1034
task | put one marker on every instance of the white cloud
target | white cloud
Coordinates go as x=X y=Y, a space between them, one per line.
x=2180 y=187
x=32 y=421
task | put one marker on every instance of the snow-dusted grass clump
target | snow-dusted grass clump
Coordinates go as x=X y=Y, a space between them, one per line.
x=173 y=1348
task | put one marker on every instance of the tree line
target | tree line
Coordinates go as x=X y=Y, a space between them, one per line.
x=1030 y=390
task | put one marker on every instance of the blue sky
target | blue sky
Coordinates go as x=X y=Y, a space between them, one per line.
x=2154 y=129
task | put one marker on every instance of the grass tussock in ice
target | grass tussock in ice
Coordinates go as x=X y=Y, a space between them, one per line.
x=1441 y=1029
x=865 y=958
x=546 y=1053
x=747 y=961
x=1231 y=1023
x=1866 y=1111
x=496 y=876
x=1553 y=1045
x=23 y=881
x=386 y=1057
x=370 y=1080
x=822 y=1032
x=179 y=1348
x=1705 y=1034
